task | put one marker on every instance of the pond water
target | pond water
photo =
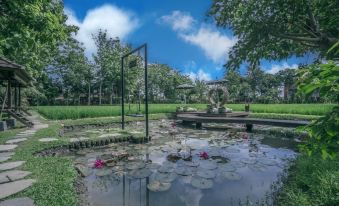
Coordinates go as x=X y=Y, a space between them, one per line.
x=187 y=167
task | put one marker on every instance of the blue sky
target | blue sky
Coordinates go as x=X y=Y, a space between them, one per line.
x=178 y=33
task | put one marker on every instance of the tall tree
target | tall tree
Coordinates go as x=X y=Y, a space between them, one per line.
x=277 y=29
x=30 y=32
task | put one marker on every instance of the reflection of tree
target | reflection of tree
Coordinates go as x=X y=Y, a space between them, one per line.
x=106 y=182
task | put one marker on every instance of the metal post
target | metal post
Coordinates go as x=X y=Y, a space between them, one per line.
x=122 y=95
x=146 y=92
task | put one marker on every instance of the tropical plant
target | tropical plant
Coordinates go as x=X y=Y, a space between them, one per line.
x=324 y=132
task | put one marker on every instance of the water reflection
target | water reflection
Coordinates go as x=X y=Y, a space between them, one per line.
x=240 y=168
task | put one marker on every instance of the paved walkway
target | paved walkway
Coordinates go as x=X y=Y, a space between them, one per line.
x=12 y=180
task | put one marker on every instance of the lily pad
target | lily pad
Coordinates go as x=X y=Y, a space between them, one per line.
x=237 y=164
x=184 y=171
x=208 y=174
x=165 y=177
x=135 y=165
x=209 y=165
x=156 y=186
x=248 y=161
x=232 y=150
x=268 y=162
x=139 y=174
x=191 y=163
x=231 y=175
x=257 y=168
x=153 y=166
x=201 y=183
x=227 y=168
x=118 y=168
x=166 y=169
x=103 y=172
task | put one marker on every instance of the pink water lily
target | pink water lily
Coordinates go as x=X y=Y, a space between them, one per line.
x=98 y=164
x=203 y=155
x=173 y=124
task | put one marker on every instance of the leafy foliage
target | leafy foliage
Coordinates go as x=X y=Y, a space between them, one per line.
x=31 y=31
x=277 y=29
x=324 y=133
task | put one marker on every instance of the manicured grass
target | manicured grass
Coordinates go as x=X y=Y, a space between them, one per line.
x=78 y=112
x=55 y=175
x=110 y=120
x=311 y=181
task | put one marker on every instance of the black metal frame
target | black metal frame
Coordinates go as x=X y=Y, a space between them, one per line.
x=144 y=46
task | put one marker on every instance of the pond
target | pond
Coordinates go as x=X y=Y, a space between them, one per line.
x=186 y=167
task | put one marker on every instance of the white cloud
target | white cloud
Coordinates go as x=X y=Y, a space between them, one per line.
x=117 y=22
x=179 y=21
x=278 y=67
x=213 y=43
x=200 y=75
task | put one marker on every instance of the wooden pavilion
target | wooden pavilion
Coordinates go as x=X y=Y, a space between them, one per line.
x=14 y=77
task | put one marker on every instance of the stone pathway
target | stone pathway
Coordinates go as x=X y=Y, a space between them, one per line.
x=12 y=181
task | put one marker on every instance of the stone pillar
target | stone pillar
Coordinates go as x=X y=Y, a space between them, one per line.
x=11 y=122
x=3 y=126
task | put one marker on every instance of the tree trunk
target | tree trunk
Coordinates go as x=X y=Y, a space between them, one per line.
x=89 y=94
x=111 y=96
x=100 y=90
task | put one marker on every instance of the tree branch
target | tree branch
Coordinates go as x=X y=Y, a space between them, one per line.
x=298 y=38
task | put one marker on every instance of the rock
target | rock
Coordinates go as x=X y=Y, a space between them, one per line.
x=4 y=159
x=173 y=157
x=83 y=170
x=6 y=154
x=48 y=139
x=13 y=141
x=8 y=147
x=12 y=175
x=11 y=188
x=10 y=165
x=103 y=172
x=22 y=201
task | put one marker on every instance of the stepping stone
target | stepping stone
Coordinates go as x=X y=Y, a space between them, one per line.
x=22 y=201
x=8 y=147
x=48 y=139
x=12 y=188
x=10 y=165
x=6 y=154
x=12 y=175
x=78 y=139
x=4 y=159
x=16 y=140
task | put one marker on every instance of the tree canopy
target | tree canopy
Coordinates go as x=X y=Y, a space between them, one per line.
x=31 y=31
x=277 y=29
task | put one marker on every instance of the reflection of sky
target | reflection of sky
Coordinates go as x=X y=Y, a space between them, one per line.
x=252 y=186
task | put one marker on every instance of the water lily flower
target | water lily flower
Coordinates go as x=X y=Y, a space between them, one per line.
x=203 y=155
x=98 y=164
x=173 y=124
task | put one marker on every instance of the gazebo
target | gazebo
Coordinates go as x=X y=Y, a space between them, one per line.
x=13 y=77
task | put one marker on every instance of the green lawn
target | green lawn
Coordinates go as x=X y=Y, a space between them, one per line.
x=78 y=112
